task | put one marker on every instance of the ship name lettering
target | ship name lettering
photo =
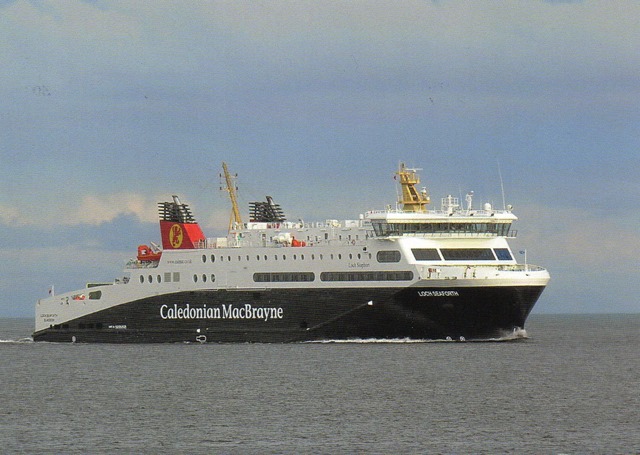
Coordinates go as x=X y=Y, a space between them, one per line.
x=438 y=294
x=359 y=265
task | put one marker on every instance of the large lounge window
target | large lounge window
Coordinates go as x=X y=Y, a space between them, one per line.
x=425 y=254
x=503 y=254
x=467 y=254
x=388 y=256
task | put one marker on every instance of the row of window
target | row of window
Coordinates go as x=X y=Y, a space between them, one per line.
x=293 y=277
x=384 y=229
x=283 y=257
x=367 y=276
x=333 y=276
x=461 y=254
x=275 y=277
x=81 y=326
x=384 y=256
x=168 y=278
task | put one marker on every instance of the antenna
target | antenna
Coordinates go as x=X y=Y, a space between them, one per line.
x=504 y=203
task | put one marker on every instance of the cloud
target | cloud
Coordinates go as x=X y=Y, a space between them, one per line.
x=88 y=210
x=96 y=209
x=9 y=215
x=578 y=238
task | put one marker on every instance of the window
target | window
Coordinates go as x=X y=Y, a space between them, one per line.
x=95 y=295
x=467 y=254
x=367 y=276
x=383 y=228
x=425 y=254
x=213 y=278
x=275 y=277
x=195 y=278
x=213 y=258
x=167 y=277
x=204 y=258
x=388 y=256
x=503 y=254
x=176 y=277
x=141 y=279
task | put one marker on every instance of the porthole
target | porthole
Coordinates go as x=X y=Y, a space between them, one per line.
x=150 y=278
x=295 y=256
x=213 y=258
x=195 y=278
x=213 y=278
x=141 y=279
x=204 y=258
x=302 y=257
x=350 y=256
x=229 y=258
x=340 y=256
x=265 y=257
x=257 y=257
x=204 y=278
x=159 y=279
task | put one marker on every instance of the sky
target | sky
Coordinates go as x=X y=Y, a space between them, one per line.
x=109 y=107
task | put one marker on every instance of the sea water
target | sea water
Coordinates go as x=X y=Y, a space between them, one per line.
x=572 y=387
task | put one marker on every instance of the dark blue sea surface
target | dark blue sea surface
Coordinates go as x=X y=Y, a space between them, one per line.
x=572 y=387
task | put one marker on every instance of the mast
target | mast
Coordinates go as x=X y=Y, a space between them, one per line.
x=412 y=200
x=231 y=189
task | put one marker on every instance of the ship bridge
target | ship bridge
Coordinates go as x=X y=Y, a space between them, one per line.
x=434 y=223
x=452 y=220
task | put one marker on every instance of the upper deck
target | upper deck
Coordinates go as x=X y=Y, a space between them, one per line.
x=460 y=223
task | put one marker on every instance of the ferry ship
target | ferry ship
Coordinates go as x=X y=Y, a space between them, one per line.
x=403 y=273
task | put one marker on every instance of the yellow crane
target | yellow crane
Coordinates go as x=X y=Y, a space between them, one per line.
x=231 y=189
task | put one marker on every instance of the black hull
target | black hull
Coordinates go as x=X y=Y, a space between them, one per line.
x=295 y=315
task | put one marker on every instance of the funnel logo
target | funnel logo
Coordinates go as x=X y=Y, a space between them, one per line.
x=176 y=235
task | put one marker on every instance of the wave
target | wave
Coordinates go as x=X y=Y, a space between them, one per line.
x=515 y=335
x=19 y=341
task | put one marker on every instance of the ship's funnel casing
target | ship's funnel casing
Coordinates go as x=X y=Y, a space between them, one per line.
x=178 y=227
x=180 y=236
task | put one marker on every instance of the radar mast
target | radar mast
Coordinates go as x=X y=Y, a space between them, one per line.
x=412 y=199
